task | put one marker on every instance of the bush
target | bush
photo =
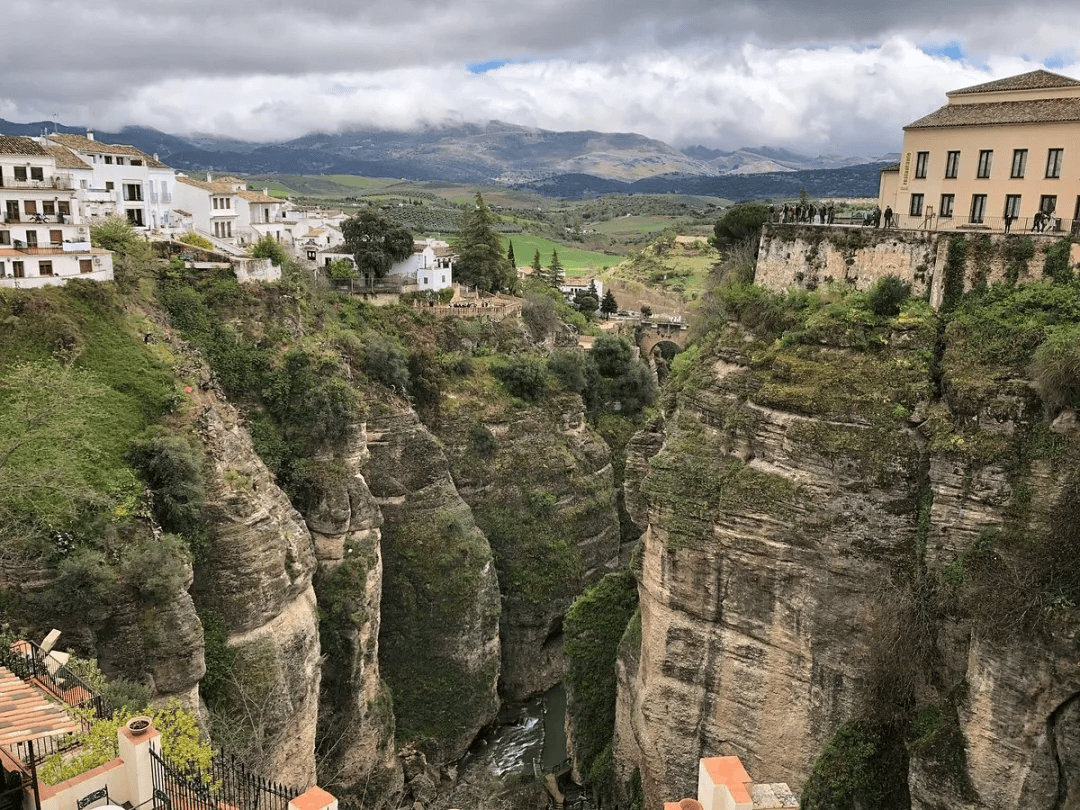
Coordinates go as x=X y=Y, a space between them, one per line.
x=268 y=248
x=173 y=471
x=739 y=223
x=612 y=355
x=386 y=362
x=887 y=295
x=195 y=240
x=540 y=316
x=114 y=233
x=524 y=377
x=1056 y=369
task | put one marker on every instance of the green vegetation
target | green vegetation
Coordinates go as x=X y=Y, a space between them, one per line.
x=861 y=766
x=196 y=240
x=269 y=248
x=375 y=243
x=481 y=258
x=180 y=742
x=594 y=626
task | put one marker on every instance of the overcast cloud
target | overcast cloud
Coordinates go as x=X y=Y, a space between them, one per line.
x=836 y=77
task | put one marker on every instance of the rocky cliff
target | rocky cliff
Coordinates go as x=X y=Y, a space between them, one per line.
x=439 y=631
x=257 y=577
x=828 y=519
x=539 y=481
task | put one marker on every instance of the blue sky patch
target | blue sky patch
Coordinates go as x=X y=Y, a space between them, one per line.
x=484 y=67
x=950 y=50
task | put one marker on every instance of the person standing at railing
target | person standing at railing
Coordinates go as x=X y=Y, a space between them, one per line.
x=1008 y=221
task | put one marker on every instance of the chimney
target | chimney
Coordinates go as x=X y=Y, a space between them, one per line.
x=208 y=177
x=89 y=134
x=155 y=156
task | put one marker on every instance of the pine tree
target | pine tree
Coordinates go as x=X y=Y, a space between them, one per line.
x=555 y=269
x=609 y=306
x=537 y=268
x=480 y=260
x=510 y=254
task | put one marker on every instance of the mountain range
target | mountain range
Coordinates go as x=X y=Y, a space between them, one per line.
x=496 y=152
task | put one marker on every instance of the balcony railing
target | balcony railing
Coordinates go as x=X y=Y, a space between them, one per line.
x=56 y=181
x=34 y=219
x=1050 y=226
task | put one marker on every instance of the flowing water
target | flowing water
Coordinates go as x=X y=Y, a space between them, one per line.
x=533 y=733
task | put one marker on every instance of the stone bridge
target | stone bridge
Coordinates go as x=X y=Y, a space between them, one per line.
x=653 y=334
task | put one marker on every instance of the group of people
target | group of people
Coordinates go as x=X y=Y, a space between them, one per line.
x=1043 y=221
x=822 y=214
x=877 y=217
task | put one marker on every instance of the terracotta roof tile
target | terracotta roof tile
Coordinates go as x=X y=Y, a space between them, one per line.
x=26 y=715
x=1038 y=110
x=80 y=143
x=257 y=197
x=18 y=145
x=729 y=771
x=65 y=158
x=1035 y=80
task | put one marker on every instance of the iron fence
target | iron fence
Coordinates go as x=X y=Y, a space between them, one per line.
x=33 y=752
x=29 y=662
x=226 y=785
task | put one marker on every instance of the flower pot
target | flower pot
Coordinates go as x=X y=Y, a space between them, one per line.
x=139 y=726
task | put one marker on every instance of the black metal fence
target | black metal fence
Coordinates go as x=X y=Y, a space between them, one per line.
x=33 y=752
x=28 y=661
x=226 y=785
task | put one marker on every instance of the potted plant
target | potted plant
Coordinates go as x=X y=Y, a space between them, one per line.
x=139 y=725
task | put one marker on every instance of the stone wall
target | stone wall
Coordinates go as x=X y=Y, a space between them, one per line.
x=808 y=256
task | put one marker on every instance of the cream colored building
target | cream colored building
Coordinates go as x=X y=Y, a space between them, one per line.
x=1004 y=150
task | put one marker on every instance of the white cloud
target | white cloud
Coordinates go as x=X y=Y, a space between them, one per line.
x=844 y=79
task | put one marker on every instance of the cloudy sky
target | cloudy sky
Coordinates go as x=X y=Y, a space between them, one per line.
x=838 y=76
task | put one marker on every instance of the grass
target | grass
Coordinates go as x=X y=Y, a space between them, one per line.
x=571 y=258
x=627 y=225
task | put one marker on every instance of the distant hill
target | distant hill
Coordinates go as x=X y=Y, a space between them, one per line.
x=561 y=163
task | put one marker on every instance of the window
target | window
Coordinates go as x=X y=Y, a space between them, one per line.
x=978 y=207
x=135 y=217
x=108 y=159
x=133 y=191
x=985 y=158
x=63 y=208
x=946 y=207
x=5 y=237
x=1012 y=205
x=921 y=159
x=916 y=205
x=1019 y=164
x=56 y=238
x=84 y=184
x=37 y=173
x=18 y=270
x=109 y=185
x=20 y=172
x=1048 y=203
x=136 y=162
x=30 y=206
x=31 y=238
x=1 y=269
x=86 y=266
x=48 y=207
x=44 y=269
x=1053 y=163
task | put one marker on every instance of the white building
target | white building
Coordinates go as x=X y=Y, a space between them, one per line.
x=44 y=236
x=430 y=267
x=225 y=209
x=120 y=181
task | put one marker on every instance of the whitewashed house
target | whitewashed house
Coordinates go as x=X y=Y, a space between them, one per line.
x=121 y=181
x=430 y=267
x=226 y=210
x=44 y=236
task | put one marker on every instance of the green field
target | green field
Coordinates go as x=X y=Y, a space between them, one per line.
x=623 y=226
x=526 y=245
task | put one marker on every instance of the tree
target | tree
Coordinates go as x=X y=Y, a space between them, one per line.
x=375 y=243
x=587 y=301
x=739 y=223
x=269 y=248
x=342 y=270
x=510 y=254
x=193 y=239
x=537 y=268
x=609 y=306
x=114 y=233
x=557 y=272
x=480 y=260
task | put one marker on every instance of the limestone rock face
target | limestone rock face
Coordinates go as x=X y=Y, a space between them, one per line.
x=439 y=630
x=755 y=584
x=785 y=517
x=257 y=577
x=356 y=724
x=543 y=493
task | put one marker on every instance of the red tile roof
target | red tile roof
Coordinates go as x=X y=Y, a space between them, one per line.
x=729 y=771
x=26 y=715
x=1035 y=80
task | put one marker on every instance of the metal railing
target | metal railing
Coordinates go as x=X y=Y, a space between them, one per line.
x=1048 y=226
x=57 y=181
x=227 y=783
x=33 y=752
x=32 y=664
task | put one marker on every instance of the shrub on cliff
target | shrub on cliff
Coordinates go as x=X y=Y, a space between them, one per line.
x=1056 y=369
x=593 y=627
x=887 y=295
x=524 y=377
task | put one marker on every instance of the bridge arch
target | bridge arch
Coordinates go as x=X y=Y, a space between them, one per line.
x=661 y=334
